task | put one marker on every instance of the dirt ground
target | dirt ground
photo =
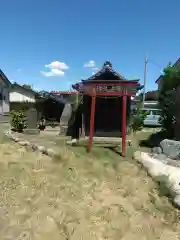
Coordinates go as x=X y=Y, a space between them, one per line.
x=79 y=196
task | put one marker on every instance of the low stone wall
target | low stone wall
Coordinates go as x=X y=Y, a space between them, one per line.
x=5 y=118
x=29 y=145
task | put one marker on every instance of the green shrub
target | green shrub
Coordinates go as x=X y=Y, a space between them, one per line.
x=18 y=120
x=137 y=120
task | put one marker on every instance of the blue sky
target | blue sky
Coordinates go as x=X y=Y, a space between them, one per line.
x=36 y=33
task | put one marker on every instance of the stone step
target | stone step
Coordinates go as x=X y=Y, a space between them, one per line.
x=105 y=142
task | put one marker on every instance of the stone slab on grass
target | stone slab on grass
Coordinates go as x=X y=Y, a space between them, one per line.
x=163 y=172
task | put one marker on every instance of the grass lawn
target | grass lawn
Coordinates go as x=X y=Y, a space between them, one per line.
x=80 y=196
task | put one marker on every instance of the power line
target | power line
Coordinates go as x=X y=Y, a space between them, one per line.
x=156 y=64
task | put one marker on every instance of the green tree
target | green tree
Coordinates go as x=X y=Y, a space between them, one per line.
x=170 y=81
x=137 y=119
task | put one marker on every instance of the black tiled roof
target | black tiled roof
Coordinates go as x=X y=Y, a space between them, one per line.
x=176 y=64
x=107 y=68
x=4 y=78
x=24 y=88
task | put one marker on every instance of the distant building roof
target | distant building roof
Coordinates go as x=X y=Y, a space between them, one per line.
x=4 y=78
x=56 y=97
x=16 y=85
x=176 y=64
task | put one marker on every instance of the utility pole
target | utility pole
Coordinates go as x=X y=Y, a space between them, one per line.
x=145 y=79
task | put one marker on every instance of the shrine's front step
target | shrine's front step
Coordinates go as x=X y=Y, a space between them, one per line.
x=113 y=133
x=105 y=139
x=52 y=129
x=101 y=141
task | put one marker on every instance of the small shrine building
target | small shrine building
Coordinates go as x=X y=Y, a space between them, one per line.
x=106 y=103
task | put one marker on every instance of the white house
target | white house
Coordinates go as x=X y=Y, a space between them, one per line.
x=20 y=94
x=5 y=85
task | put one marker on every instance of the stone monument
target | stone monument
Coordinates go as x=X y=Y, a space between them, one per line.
x=65 y=117
x=32 y=119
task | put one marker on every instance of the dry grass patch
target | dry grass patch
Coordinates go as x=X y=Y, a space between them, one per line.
x=96 y=196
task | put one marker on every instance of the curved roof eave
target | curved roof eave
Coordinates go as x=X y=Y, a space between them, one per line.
x=103 y=70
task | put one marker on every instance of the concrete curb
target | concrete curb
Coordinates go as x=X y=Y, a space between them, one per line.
x=32 y=146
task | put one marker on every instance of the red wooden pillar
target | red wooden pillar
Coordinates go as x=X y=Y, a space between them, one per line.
x=91 y=134
x=124 y=112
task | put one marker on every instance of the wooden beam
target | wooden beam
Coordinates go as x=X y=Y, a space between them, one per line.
x=83 y=133
x=129 y=94
x=114 y=83
x=124 y=125
x=91 y=134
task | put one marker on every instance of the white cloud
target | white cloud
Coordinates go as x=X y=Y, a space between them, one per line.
x=53 y=73
x=19 y=70
x=57 y=65
x=90 y=64
x=56 y=69
x=93 y=73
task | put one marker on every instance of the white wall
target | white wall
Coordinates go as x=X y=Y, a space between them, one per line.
x=20 y=95
x=4 y=103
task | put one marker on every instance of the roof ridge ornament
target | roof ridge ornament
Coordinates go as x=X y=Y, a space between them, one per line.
x=107 y=64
